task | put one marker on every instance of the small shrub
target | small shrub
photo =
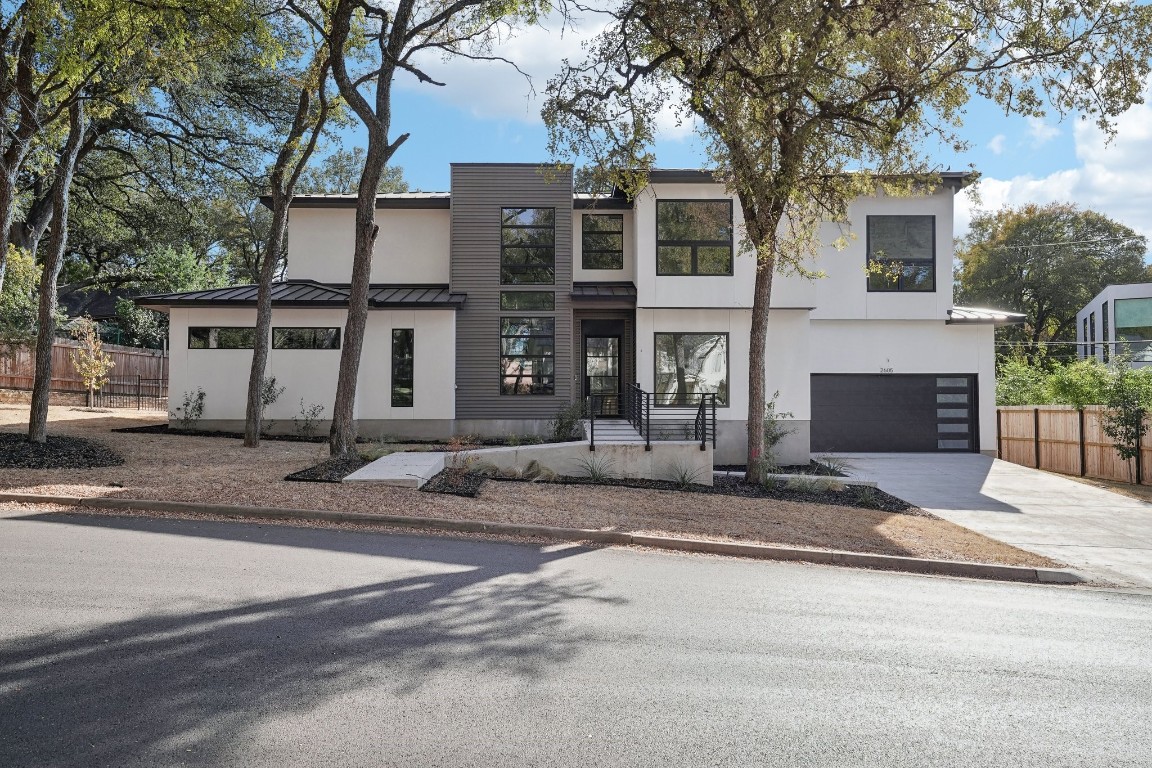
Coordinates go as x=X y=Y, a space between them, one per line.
x=684 y=475
x=866 y=496
x=309 y=419
x=833 y=466
x=772 y=482
x=598 y=469
x=812 y=485
x=269 y=394
x=474 y=466
x=90 y=360
x=774 y=430
x=191 y=409
x=512 y=440
x=537 y=472
x=566 y=424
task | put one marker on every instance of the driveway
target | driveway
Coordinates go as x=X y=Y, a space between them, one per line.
x=1106 y=536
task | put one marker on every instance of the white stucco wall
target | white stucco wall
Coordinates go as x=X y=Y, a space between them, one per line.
x=311 y=373
x=911 y=347
x=579 y=274
x=412 y=246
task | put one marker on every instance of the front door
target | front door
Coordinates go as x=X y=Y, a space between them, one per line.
x=602 y=373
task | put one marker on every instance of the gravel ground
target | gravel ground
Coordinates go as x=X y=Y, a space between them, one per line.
x=220 y=470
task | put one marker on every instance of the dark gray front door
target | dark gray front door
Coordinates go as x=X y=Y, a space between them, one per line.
x=602 y=373
x=892 y=413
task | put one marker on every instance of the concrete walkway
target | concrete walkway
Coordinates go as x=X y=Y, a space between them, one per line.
x=1100 y=533
x=408 y=469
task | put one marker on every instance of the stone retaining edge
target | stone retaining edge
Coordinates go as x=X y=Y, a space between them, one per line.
x=759 y=551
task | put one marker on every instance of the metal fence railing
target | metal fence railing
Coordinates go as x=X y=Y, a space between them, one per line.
x=133 y=392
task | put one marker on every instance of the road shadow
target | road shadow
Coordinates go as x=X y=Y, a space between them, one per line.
x=932 y=481
x=170 y=689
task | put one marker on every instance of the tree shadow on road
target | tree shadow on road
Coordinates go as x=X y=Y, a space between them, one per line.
x=168 y=689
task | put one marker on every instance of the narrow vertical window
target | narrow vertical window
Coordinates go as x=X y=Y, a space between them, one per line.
x=1104 y=329
x=1092 y=334
x=403 y=347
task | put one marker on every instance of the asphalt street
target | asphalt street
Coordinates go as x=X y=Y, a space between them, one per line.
x=134 y=642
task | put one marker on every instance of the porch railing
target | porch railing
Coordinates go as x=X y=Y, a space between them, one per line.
x=690 y=417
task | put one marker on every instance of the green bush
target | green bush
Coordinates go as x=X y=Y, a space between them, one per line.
x=1018 y=383
x=1084 y=382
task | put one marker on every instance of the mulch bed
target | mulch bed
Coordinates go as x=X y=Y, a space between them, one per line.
x=164 y=429
x=332 y=471
x=60 y=452
x=812 y=468
x=455 y=482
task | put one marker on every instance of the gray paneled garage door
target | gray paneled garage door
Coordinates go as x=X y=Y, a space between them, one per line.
x=859 y=413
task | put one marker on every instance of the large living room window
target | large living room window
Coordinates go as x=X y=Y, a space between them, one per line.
x=689 y=365
x=602 y=241
x=902 y=253
x=693 y=237
x=527 y=246
x=527 y=356
x=221 y=338
x=403 y=370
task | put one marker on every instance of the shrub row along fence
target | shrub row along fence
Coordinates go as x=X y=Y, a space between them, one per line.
x=139 y=379
x=1068 y=440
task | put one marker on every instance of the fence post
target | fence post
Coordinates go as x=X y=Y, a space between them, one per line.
x=1036 y=435
x=137 y=391
x=1083 y=449
x=999 y=437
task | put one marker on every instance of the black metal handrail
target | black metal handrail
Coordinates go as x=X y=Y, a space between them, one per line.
x=638 y=412
x=705 y=422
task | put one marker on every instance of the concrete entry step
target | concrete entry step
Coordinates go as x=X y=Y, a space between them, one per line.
x=409 y=469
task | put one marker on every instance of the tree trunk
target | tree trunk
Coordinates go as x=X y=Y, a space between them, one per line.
x=757 y=400
x=53 y=261
x=254 y=414
x=7 y=216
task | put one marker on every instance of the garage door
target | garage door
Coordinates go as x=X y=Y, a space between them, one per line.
x=861 y=413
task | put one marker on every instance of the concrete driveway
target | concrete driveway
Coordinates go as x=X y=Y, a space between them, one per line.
x=1106 y=536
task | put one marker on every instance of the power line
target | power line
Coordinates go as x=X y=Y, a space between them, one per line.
x=1133 y=239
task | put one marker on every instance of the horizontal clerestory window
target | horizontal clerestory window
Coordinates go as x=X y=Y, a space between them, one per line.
x=305 y=338
x=221 y=338
x=527 y=356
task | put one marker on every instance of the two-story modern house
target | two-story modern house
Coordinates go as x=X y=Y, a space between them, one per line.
x=1117 y=324
x=508 y=298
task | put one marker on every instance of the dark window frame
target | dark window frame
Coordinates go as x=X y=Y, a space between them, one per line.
x=1104 y=328
x=315 y=336
x=585 y=251
x=727 y=368
x=1092 y=334
x=505 y=308
x=218 y=328
x=504 y=358
x=695 y=245
x=890 y=260
x=507 y=269
x=398 y=397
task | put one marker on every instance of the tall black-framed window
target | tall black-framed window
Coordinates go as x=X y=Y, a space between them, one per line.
x=694 y=237
x=1092 y=334
x=902 y=253
x=403 y=370
x=527 y=246
x=602 y=241
x=1084 y=335
x=527 y=356
x=221 y=338
x=1104 y=329
x=305 y=338
x=689 y=365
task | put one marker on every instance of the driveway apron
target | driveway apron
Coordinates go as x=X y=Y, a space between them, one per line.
x=1106 y=536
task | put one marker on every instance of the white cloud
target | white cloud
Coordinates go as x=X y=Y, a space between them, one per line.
x=1110 y=178
x=996 y=145
x=1041 y=132
x=496 y=90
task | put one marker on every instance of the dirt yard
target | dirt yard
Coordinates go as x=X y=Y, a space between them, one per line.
x=221 y=470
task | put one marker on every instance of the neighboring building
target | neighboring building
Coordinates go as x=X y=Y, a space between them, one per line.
x=498 y=304
x=1118 y=321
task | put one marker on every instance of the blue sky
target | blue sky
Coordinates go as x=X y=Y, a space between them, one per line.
x=487 y=113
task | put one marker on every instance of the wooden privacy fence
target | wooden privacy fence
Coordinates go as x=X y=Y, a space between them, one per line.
x=1063 y=439
x=135 y=363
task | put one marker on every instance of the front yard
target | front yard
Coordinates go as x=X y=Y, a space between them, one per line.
x=221 y=470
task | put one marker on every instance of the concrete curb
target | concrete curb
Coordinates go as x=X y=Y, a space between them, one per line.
x=759 y=551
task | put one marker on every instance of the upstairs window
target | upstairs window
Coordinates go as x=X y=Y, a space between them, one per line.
x=1133 y=329
x=602 y=241
x=527 y=246
x=902 y=253
x=527 y=356
x=693 y=237
x=221 y=338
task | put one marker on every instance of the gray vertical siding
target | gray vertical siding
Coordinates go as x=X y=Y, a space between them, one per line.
x=478 y=193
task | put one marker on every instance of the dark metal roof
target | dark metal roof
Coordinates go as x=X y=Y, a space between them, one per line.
x=614 y=290
x=309 y=293
x=976 y=316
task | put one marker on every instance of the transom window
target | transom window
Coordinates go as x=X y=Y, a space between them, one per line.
x=221 y=338
x=305 y=338
x=527 y=246
x=602 y=241
x=694 y=237
x=544 y=301
x=902 y=253
x=689 y=365
x=527 y=356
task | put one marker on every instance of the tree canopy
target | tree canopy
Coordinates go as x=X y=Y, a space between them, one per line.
x=1047 y=262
